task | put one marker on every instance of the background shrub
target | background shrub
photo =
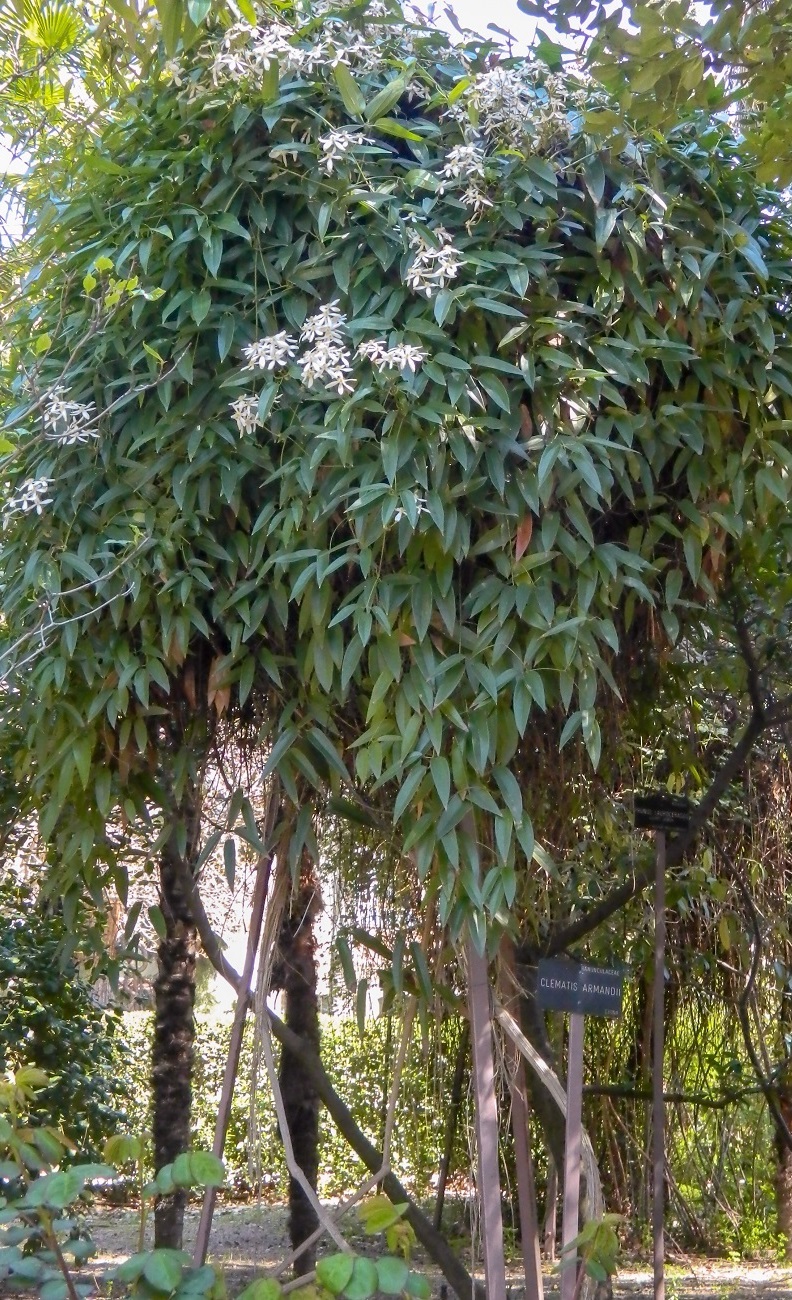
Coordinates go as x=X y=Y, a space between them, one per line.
x=49 y=1019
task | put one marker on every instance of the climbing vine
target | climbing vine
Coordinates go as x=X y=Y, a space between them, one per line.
x=365 y=396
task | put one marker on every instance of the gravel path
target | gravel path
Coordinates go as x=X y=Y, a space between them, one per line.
x=248 y=1239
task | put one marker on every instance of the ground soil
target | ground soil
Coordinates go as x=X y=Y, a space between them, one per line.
x=249 y=1239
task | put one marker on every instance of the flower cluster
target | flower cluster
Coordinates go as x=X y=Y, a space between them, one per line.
x=244 y=413
x=404 y=356
x=433 y=265
x=336 y=145
x=270 y=353
x=513 y=104
x=32 y=496
x=67 y=422
x=247 y=52
x=329 y=361
x=466 y=163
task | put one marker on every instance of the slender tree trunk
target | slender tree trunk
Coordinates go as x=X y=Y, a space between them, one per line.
x=783 y=1188
x=296 y=975
x=174 y=1029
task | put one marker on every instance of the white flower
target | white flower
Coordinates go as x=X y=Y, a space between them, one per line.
x=174 y=72
x=374 y=349
x=244 y=412
x=400 y=513
x=465 y=161
x=405 y=356
x=270 y=353
x=67 y=422
x=476 y=199
x=336 y=144
x=327 y=323
x=32 y=496
x=433 y=266
x=328 y=363
x=247 y=52
x=514 y=103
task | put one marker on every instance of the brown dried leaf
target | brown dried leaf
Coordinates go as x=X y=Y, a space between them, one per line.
x=174 y=655
x=222 y=699
x=524 y=535
x=188 y=682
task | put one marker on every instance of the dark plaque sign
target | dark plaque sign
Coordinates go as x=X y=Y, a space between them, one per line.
x=600 y=991
x=655 y=810
x=563 y=985
x=558 y=984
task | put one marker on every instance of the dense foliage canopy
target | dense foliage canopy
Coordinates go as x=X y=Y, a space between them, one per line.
x=363 y=394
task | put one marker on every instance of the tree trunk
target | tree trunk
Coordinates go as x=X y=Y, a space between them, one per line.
x=295 y=974
x=783 y=1175
x=174 y=1029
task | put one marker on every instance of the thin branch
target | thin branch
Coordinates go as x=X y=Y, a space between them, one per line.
x=563 y=936
x=743 y=1003
x=693 y=1098
x=297 y=1173
x=434 y=1243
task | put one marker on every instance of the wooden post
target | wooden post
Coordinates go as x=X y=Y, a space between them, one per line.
x=551 y=1211
x=486 y=1124
x=574 y=1129
x=658 y=1045
x=526 y=1187
x=526 y=1190
x=234 y=1047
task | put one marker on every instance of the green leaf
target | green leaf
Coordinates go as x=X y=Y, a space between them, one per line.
x=171 y=16
x=229 y=861
x=158 y=921
x=360 y=1006
x=270 y=82
x=604 y=222
x=386 y=99
x=377 y=1214
x=163 y=1268
x=347 y=966
x=391 y=126
x=418 y=1286
x=363 y=1282
x=200 y=306
x=264 y=1288
x=354 y=102
x=392 y=1274
x=441 y=775
x=206 y=1169
x=198 y=10
x=335 y=1271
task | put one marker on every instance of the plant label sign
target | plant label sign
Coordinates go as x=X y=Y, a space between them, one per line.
x=655 y=810
x=564 y=985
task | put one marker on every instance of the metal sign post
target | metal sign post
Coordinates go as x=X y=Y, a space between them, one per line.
x=660 y=812
x=573 y=986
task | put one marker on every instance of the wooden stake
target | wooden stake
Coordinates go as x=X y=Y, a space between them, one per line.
x=259 y=899
x=526 y=1188
x=658 y=1045
x=486 y=1125
x=574 y=1131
